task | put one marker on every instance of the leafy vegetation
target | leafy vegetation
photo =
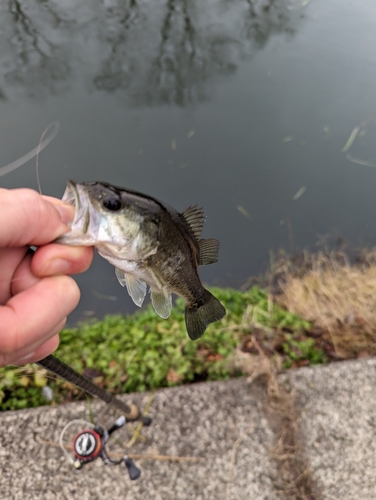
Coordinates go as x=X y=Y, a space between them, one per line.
x=303 y=350
x=142 y=351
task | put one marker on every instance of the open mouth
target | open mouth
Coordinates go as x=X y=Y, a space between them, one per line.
x=75 y=196
x=85 y=226
x=70 y=195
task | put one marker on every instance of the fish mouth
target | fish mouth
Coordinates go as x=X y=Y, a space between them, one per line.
x=76 y=195
x=72 y=197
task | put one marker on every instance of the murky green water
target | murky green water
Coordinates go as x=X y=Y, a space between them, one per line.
x=241 y=106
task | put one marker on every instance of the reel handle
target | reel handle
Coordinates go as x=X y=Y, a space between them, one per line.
x=146 y=421
x=133 y=471
x=119 y=423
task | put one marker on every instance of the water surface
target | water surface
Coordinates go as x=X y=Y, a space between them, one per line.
x=242 y=107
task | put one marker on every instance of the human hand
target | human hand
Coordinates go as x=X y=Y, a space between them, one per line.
x=35 y=293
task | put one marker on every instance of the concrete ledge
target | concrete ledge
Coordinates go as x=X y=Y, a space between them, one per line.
x=336 y=415
x=338 y=422
x=203 y=420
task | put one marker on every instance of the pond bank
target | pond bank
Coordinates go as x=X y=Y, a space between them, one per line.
x=317 y=308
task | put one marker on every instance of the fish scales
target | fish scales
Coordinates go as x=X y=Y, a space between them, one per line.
x=150 y=244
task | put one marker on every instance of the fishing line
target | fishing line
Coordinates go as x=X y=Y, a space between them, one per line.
x=39 y=149
x=34 y=152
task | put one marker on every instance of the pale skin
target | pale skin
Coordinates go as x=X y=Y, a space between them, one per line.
x=36 y=293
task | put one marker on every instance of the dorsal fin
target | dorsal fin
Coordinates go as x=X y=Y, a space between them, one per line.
x=209 y=249
x=195 y=218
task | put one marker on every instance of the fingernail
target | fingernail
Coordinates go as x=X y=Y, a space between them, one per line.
x=55 y=266
x=24 y=359
x=66 y=212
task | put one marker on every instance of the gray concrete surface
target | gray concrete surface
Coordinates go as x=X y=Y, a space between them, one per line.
x=202 y=420
x=223 y=423
x=338 y=421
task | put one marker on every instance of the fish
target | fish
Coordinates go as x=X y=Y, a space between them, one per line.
x=150 y=244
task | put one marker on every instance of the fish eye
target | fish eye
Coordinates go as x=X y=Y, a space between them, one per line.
x=112 y=203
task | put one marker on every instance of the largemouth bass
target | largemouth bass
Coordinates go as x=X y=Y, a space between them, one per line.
x=150 y=244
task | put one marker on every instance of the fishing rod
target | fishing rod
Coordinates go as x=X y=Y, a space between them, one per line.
x=61 y=369
x=89 y=444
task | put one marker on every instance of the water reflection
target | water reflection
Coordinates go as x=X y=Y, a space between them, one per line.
x=150 y=53
x=32 y=61
x=271 y=98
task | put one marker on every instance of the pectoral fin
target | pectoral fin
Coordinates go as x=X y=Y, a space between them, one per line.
x=136 y=288
x=209 y=249
x=162 y=305
x=120 y=276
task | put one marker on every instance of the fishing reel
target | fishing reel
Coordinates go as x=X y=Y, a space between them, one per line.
x=89 y=444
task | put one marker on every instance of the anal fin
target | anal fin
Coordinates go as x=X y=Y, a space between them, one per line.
x=209 y=250
x=162 y=304
x=136 y=288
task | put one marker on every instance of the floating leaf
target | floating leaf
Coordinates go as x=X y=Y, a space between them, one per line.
x=299 y=193
x=102 y=296
x=288 y=138
x=243 y=211
x=351 y=139
x=360 y=162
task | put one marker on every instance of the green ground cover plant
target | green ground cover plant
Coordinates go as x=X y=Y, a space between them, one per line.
x=142 y=352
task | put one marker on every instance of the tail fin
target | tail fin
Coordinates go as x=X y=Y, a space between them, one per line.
x=198 y=318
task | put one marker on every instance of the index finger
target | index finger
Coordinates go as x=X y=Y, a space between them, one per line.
x=26 y=218
x=29 y=317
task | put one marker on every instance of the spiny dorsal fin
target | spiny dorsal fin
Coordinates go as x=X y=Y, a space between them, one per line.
x=209 y=249
x=136 y=288
x=195 y=218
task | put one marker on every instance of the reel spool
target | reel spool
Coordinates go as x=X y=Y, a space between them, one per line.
x=87 y=446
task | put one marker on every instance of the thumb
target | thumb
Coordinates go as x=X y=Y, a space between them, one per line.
x=27 y=218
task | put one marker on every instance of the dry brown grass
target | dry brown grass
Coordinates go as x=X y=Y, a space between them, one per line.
x=339 y=297
x=294 y=480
